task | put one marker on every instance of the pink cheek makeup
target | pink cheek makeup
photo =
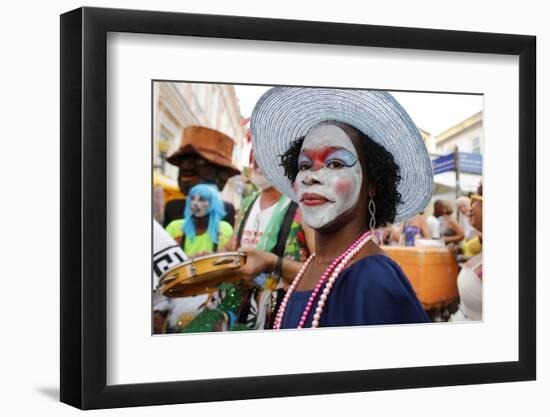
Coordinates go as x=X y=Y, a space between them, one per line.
x=343 y=187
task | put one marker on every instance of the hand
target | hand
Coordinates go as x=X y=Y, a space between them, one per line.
x=257 y=261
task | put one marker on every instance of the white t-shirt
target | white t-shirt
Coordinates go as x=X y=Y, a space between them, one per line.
x=253 y=230
x=255 y=225
x=470 y=289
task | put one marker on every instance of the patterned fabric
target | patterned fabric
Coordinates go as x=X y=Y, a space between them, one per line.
x=296 y=247
x=222 y=317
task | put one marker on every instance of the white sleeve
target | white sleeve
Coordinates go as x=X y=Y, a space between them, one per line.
x=166 y=253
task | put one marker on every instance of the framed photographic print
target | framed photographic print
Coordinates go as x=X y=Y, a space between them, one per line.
x=259 y=208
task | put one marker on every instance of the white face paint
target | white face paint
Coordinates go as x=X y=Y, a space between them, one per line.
x=260 y=181
x=329 y=175
x=199 y=206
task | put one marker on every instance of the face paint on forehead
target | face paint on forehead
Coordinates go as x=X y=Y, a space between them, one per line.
x=326 y=136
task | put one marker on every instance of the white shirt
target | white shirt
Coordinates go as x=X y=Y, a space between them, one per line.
x=256 y=223
x=470 y=289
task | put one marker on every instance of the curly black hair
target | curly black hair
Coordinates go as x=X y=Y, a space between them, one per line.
x=381 y=171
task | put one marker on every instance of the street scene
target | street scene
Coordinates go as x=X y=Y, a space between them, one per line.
x=294 y=207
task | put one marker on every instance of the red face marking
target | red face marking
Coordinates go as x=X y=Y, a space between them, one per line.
x=319 y=156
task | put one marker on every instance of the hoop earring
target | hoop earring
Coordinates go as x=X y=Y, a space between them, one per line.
x=372 y=211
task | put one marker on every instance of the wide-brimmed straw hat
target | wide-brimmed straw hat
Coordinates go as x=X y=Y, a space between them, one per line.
x=284 y=114
x=212 y=145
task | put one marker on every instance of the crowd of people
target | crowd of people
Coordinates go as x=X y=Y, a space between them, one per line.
x=332 y=178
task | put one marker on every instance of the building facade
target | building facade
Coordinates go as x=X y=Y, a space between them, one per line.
x=466 y=135
x=178 y=105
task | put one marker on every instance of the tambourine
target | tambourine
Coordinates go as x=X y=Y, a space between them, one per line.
x=201 y=275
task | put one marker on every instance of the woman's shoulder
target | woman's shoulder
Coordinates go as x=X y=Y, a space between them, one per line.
x=378 y=291
x=375 y=261
x=377 y=270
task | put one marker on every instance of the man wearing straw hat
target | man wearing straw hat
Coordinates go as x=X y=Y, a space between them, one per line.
x=204 y=156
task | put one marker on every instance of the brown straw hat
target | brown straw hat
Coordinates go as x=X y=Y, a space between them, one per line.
x=212 y=145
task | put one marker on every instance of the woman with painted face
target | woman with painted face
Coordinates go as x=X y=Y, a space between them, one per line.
x=354 y=161
x=201 y=230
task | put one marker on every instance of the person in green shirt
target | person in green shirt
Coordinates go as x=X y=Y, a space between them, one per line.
x=201 y=230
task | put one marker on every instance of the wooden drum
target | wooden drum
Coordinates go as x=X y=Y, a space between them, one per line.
x=431 y=271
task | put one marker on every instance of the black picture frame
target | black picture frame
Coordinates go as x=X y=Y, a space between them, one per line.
x=84 y=207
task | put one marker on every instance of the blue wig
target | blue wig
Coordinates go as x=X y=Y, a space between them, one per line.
x=216 y=211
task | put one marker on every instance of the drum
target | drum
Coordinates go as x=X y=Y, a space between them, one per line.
x=201 y=275
x=431 y=271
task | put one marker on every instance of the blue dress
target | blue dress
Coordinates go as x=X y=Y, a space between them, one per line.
x=374 y=290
